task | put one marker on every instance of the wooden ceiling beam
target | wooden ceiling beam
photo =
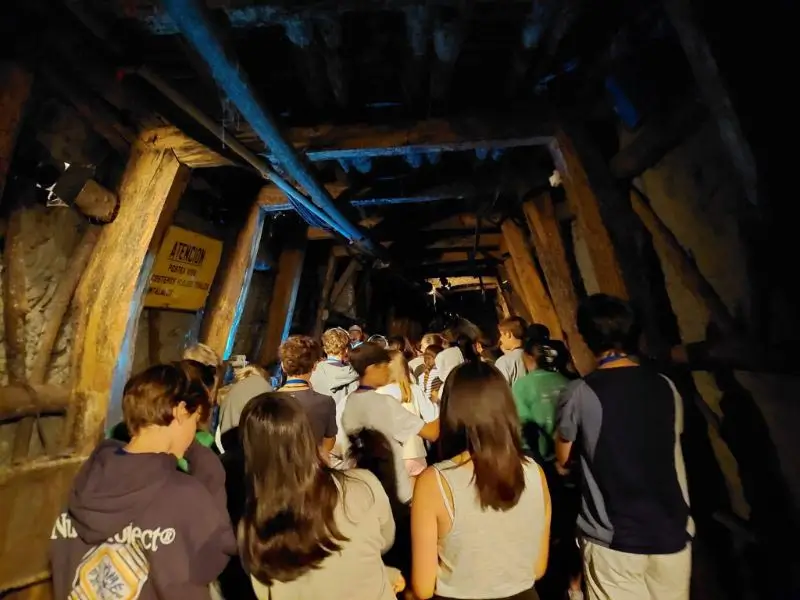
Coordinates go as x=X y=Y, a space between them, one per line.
x=336 y=142
x=360 y=141
x=273 y=199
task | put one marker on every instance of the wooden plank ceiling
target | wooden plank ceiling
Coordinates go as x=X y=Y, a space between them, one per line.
x=426 y=121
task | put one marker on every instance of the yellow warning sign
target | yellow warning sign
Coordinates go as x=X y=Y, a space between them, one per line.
x=184 y=270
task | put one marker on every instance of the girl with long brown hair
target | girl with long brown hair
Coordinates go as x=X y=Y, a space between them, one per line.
x=308 y=531
x=480 y=520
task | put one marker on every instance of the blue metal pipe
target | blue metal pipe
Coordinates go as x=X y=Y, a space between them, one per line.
x=192 y=19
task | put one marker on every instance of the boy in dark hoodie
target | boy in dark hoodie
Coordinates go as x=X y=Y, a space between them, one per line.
x=135 y=526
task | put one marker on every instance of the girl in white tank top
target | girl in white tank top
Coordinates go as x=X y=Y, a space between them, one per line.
x=480 y=521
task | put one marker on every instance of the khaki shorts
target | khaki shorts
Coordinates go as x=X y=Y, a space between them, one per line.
x=614 y=575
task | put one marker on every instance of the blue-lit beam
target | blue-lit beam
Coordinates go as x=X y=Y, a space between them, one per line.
x=415 y=152
x=382 y=201
x=192 y=19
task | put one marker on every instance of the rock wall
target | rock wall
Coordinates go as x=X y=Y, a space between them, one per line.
x=693 y=189
x=50 y=236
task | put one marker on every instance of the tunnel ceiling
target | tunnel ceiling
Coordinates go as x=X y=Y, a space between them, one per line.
x=428 y=121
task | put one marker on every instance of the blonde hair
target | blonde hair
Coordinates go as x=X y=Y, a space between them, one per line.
x=204 y=354
x=335 y=341
x=239 y=374
x=398 y=370
x=430 y=339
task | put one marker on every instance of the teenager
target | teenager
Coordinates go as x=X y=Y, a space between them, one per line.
x=634 y=521
x=512 y=364
x=135 y=525
x=480 y=520
x=299 y=355
x=368 y=409
x=335 y=377
x=413 y=400
x=417 y=364
x=309 y=531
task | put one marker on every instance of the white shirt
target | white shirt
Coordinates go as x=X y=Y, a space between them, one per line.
x=371 y=410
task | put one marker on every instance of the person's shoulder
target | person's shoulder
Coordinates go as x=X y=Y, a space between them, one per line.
x=574 y=389
x=360 y=484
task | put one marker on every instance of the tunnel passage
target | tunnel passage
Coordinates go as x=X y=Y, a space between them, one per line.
x=232 y=172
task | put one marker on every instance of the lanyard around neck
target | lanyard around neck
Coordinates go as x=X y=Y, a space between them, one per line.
x=296 y=382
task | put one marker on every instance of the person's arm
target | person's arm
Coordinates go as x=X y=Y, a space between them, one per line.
x=567 y=422
x=406 y=424
x=425 y=534
x=430 y=431
x=540 y=567
x=212 y=541
x=331 y=429
x=207 y=467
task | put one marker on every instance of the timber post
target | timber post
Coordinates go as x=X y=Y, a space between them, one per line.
x=327 y=286
x=531 y=288
x=546 y=239
x=229 y=293
x=284 y=297
x=109 y=299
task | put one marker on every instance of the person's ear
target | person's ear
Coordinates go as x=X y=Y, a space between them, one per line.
x=179 y=412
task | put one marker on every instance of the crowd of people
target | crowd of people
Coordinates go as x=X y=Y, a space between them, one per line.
x=371 y=468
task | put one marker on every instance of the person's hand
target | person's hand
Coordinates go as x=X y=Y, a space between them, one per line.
x=399 y=584
x=396 y=578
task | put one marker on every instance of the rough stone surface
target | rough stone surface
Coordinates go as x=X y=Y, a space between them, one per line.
x=51 y=235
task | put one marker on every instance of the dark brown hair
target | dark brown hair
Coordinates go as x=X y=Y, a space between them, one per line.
x=288 y=525
x=515 y=326
x=299 y=354
x=367 y=354
x=150 y=396
x=479 y=416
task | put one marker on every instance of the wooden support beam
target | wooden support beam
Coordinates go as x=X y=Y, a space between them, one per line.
x=712 y=85
x=584 y=205
x=503 y=303
x=508 y=272
x=656 y=138
x=32 y=496
x=19 y=401
x=531 y=287
x=274 y=200
x=684 y=264
x=15 y=89
x=350 y=270
x=189 y=151
x=231 y=285
x=620 y=247
x=110 y=294
x=546 y=238
x=466 y=281
x=324 y=298
x=284 y=297
x=335 y=142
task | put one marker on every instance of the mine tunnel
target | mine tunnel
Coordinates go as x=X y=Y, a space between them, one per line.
x=235 y=172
